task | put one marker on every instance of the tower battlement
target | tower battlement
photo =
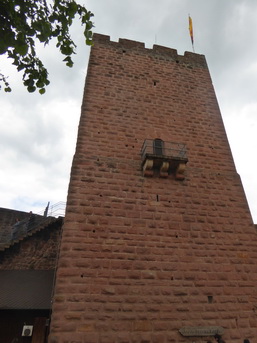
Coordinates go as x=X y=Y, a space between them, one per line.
x=159 y=51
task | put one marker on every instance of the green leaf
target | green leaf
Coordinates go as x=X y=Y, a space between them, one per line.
x=31 y=89
x=42 y=91
x=69 y=62
x=40 y=84
x=73 y=8
x=66 y=50
x=89 y=41
x=21 y=49
x=20 y=67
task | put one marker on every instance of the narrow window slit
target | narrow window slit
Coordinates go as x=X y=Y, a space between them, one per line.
x=210 y=299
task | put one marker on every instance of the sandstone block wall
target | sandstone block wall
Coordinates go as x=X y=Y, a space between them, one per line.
x=143 y=257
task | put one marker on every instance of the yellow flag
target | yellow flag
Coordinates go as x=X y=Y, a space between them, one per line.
x=191 y=29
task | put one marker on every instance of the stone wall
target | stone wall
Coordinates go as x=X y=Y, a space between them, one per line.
x=143 y=257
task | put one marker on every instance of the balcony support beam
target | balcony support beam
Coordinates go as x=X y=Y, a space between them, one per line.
x=148 y=168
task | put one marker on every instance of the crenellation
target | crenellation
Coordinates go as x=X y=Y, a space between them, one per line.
x=100 y=38
x=127 y=43
x=189 y=59
x=162 y=50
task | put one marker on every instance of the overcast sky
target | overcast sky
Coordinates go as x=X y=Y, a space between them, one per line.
x=38 y=132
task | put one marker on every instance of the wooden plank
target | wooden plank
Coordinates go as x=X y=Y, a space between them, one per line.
x=39 y=330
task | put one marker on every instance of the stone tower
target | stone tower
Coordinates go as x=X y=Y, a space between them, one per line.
x=158 y=242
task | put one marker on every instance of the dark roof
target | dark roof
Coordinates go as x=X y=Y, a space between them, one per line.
x=27 y=228
x=7 y=219
x=26 y=289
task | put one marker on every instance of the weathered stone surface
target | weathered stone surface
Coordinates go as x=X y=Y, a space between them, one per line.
x=200 y=331
x=150 y=254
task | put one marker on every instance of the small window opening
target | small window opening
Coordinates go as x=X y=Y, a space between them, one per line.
x=210 y=299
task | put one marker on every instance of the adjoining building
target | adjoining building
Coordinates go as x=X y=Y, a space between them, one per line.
x=29 y=245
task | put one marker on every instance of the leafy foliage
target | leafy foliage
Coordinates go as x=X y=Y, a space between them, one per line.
x=24 y=22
